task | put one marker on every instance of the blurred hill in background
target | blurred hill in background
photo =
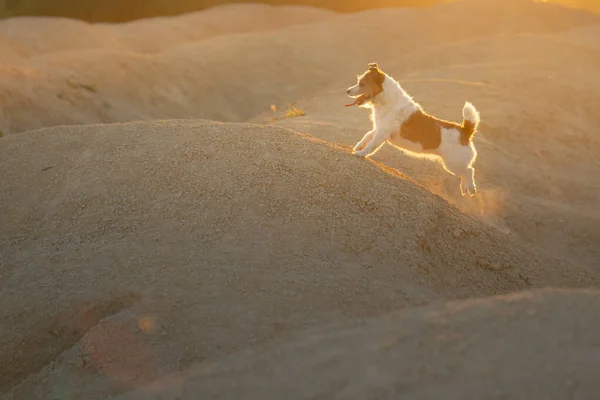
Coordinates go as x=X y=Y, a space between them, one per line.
x=127 y=10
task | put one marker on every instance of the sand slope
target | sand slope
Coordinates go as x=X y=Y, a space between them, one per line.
x=53 y=35
x=536 y=344
x=538 y=141
x=130 y=250
x=227 y=235
x=229 y=77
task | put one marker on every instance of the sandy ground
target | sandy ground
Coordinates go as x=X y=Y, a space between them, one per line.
x=141 y=238
x=505 y=347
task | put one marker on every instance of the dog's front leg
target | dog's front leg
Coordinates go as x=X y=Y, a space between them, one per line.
x=379 y=138
x=367 y=138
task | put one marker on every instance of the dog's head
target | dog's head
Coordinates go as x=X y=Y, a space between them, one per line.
x=369 y=85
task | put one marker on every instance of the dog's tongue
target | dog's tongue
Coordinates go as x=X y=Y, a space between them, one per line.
x=355 y=102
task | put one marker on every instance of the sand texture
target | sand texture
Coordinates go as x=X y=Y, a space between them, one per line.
x=505 y=347
x=168 y=227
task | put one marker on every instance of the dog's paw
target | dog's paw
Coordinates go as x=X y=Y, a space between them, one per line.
x=358 y=147
x=360 y=153
x=470 y=189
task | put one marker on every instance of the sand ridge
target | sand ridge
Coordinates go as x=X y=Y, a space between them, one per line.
x=132 y=220
x=198 y=221
x=232 y=77
x=513 y=346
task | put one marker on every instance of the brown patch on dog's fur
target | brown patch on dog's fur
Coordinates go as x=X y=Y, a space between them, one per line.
x=466 y=132
x=425 y=129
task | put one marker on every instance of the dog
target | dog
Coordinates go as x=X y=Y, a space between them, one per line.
x=400 y=121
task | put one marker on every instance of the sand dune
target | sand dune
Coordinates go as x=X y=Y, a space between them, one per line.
x=54 y=35
x=585 y=36
x=537 y=158
x=229 y=235
x=535 y=344
x=236 y=77
x=144 y=37
x=132 y=222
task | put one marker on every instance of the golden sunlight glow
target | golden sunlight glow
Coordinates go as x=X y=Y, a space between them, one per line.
x=592 y=5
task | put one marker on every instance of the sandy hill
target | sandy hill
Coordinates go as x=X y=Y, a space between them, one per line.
x=532 y=345
x=224 y=235
x=53 y=35
x=540 y=112
x=126 y=73
x=138 y=238
x=538 y=141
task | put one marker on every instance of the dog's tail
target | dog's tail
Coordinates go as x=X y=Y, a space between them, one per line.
x=470 y=123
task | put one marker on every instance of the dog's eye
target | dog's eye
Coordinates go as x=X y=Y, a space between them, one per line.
x=361 y=83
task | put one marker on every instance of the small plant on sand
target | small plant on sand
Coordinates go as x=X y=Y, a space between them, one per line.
x=293 y=112
x=76 y=85
x=290 y=112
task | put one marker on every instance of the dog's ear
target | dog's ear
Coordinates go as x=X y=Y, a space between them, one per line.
x=376 y=74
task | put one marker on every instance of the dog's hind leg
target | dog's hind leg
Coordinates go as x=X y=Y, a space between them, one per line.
x=468 y=178
x=467 y=182
x=458 y=161
x=463 y=185
x=465 y=173
x=366 y=139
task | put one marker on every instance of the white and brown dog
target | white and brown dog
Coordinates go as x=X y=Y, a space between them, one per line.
x=400 y=121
